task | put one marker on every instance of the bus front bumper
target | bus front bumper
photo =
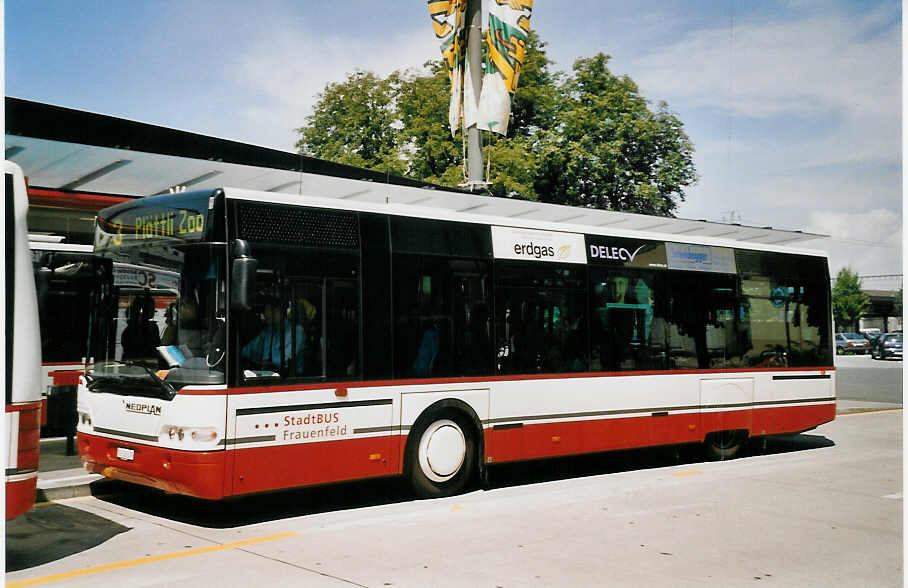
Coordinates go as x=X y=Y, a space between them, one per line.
x=192 y=473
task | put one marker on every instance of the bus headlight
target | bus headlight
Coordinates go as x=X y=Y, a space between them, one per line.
x=195 y=434
x=203 y=435
x=84 y=419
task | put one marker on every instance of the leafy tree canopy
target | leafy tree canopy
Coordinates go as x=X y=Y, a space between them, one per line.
x=849 y=303
x=587 y=138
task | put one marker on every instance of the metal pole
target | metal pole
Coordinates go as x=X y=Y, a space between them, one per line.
x=474 y=54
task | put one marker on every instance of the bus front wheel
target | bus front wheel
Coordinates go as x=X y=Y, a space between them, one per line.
x=723 y=445
x=441 y=456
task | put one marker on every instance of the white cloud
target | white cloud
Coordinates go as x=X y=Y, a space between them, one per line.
x=290 y=67
x=767 y=68
x=879 y=226
x=836 y=75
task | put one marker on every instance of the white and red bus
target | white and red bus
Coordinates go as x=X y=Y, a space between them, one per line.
x=22 y=352
x=386 y=330
x=61 y=233
x=66 y=282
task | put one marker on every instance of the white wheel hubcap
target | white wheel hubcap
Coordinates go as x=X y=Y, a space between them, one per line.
x=442 y=449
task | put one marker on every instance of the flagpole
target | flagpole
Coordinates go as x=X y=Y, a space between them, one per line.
x=475 y=177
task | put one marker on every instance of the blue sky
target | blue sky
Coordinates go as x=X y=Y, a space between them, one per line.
x=794 y=107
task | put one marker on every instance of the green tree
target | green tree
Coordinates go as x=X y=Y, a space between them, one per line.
x=610 y=150
x=422 y=107
x=353 y=123
x=849 y=303
x=588 y=139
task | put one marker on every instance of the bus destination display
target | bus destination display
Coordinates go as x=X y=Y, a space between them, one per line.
x=134 y=221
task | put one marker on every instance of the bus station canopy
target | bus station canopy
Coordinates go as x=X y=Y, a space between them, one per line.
x=62 y=150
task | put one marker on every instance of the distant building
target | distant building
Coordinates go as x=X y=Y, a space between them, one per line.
x=882 y=314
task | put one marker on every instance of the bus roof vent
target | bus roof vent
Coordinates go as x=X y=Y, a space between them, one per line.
x=308 y=227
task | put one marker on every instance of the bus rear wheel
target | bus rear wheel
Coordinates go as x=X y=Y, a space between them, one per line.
x=441 y=456
x=723 y=445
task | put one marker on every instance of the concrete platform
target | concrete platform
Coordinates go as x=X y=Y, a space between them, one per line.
x=61 y=475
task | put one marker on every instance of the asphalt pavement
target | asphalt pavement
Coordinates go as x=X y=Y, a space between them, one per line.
x=817 y=509
x=864 y=385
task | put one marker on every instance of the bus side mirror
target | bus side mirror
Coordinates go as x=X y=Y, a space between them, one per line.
x=242 y=277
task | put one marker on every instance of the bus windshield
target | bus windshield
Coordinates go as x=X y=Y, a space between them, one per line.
x=159 y=324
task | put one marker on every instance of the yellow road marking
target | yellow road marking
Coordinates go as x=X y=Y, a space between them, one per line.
x=145 y=560
x=61 y=501
x=847 y=414
x=688 y=473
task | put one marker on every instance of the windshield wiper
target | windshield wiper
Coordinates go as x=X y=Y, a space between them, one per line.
x=165 y=387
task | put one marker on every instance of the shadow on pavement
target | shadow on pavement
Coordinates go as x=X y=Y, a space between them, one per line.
x=350 y=495
x=639 y=459
x=247 y=510
x=53 y=531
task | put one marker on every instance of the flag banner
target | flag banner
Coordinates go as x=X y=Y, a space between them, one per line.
x=448 y=20
x=506 y=45
x=470 y=104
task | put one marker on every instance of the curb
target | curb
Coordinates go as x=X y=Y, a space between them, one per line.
x=62 y=484
x=96 y=486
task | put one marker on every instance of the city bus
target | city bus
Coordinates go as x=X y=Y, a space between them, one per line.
x=397 y=331
x=61 y=234
x=66 y=281
x=22 y=352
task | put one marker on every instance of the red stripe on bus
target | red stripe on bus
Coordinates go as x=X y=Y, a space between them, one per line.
x=198 y=474
x=482 y=379
x=20 y=496
x=269 y=468
x=76 y=200
x=214 y=475
x=533 y=441
x=24 y=406
x=66 y=377
x=55 y=363
x=29 y=438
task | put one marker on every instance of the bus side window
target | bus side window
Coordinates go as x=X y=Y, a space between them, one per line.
x=540 y=318
x=628 y=330
x=305 y=318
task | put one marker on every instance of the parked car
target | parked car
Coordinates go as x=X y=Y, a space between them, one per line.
x=871 y=334
x=846 y=343
x=887 y=345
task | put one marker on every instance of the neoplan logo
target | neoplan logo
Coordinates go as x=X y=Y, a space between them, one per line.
x=613 y=253
x=142 y=408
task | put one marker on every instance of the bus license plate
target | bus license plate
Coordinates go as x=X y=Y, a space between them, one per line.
x=125 y=453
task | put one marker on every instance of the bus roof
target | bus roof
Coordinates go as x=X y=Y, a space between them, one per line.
x=441 y=204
